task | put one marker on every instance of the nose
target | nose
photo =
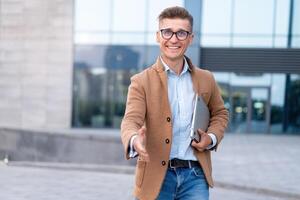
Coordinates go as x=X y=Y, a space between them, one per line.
x=173 y=38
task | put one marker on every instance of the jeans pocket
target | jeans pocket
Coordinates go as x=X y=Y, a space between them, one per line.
x=198 y=172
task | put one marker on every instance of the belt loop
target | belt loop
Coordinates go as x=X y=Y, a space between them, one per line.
x=170 y=165
x=190 y=165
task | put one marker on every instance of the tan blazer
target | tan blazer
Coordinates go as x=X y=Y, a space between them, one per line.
x=147 y=103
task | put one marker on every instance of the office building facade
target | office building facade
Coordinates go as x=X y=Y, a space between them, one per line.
x=68 y=63
x=251 y=46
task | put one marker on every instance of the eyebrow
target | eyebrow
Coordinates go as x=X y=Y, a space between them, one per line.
x=174 y=31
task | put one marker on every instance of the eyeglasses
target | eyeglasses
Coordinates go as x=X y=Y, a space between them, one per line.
x=168 y=34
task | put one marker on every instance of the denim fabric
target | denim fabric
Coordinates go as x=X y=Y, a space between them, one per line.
x=184 y=184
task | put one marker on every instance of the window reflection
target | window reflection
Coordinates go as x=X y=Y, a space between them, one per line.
x=257 y=103
x=235 y=25
x=100 y=87
x=294 y=104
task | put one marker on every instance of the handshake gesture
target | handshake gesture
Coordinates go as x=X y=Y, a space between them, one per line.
x=139 y=143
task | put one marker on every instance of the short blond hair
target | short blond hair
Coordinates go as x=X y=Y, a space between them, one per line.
x=176 y=12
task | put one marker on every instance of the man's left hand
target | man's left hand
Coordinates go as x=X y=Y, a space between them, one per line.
x=205 y=141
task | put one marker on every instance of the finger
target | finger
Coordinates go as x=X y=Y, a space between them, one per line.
x=198 y=146
x=200 y=132
x=142 y=130
x=194 y=144
x=140 y=148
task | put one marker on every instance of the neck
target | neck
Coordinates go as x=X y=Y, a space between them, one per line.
x=175 y=65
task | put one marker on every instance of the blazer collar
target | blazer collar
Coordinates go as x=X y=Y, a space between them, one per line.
x=159 y=67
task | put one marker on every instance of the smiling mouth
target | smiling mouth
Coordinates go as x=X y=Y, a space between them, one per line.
x=170 y=47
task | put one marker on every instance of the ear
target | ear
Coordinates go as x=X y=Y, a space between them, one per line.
x=191 y=38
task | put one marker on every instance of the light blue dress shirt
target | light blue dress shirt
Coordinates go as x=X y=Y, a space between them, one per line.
x=181 y=95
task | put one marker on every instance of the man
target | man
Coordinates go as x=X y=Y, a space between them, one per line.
x=157 y=120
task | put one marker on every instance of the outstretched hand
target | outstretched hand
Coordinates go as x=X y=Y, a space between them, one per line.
x=205 y=141
x=139 y=144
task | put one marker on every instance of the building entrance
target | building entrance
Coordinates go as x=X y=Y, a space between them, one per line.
x=249 y=109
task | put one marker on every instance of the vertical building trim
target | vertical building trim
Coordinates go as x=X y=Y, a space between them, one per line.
x=232 y=23
x=286 y=109
x=274 y=23
x=290 y=31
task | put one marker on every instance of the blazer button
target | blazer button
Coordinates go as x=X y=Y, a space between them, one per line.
x=167 y=141
x=168 y=119
x=163 y=163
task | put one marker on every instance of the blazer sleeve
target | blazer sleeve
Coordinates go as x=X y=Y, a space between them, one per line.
x=135 y=111
x=219 y=114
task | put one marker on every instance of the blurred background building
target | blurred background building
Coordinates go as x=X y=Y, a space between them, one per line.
x=250 y=45
x=65 y=66
x=68 y=63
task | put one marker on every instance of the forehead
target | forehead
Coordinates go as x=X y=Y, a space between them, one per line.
x=175 y=24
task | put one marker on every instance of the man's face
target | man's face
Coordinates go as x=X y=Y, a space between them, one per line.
x=173 y=49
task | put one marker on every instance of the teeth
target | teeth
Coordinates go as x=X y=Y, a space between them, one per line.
x=173 y=47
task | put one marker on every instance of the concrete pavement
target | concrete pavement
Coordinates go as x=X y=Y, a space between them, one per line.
x=245 y=167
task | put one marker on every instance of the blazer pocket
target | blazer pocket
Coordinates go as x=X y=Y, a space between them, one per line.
x=140 y=170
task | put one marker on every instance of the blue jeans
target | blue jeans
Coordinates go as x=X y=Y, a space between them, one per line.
x=184 y=184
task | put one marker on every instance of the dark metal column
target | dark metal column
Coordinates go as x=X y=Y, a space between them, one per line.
x=286 y=109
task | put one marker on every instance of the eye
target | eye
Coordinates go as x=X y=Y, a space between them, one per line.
x=182 y=33
x=167 y=32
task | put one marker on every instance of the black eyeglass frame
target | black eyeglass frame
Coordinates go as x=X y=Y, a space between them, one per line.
x=167 y=29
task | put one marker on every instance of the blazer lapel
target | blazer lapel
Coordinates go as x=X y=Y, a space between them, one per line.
x=162 y=74
x=196 y=86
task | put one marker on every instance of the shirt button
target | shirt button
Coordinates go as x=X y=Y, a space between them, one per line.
x=163 y=163
x=168 y=119
x=167 y=141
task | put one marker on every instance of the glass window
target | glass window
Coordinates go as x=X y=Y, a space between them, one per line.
x=252 y=41
x=294 y=104
x=280 y=42
x=128 y=38
x=216 y=17
x=101 y=78
x=277 y=102
x=129 y=15
x=296 y=41
x=250 y=79
x=92 y=15
x=261 y=103
x=247 y=23
x=296 y=17
x=282 y=17
x=92 y=38
x=151 y=38
x=253 y=17
x=155 y=7
x=296 y=25
x=210 y=40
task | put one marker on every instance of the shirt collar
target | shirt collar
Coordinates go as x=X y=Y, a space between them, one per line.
x=167 y=68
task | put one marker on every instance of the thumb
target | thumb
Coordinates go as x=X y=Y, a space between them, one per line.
x=200 y=132
x=142 y=132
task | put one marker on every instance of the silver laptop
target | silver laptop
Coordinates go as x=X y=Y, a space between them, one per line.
x=200 y=119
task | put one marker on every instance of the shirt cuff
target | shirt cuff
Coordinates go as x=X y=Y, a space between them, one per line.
x=132 y=152
x=214 y=141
